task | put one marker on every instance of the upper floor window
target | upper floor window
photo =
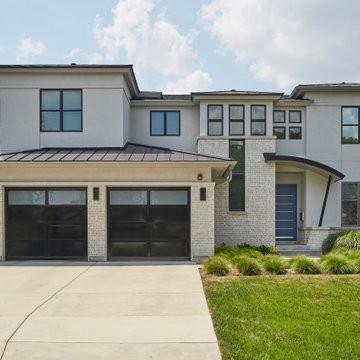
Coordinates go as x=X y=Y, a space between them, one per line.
x=295 y=132
x=215 y=120
x=61 y=110
x=279 y=116
x=349 y=204
x=295 y=116
x=236 y=119
x=164 y=123
x=258 y=120
x=237 y=183
x=350 y=125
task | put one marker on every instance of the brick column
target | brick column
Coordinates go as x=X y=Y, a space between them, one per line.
x=97 y=225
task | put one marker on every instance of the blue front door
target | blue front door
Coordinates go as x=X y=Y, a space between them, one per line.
x=286 y=212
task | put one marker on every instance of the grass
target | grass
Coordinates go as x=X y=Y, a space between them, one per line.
x=286 y=317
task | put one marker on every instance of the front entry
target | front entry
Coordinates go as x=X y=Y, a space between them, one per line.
x=286 y=212
x=148 y=223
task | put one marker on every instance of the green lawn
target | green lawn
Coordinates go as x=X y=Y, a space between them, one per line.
x=286 y=317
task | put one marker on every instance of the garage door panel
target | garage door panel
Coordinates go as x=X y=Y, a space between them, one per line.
x=159 y=227
x=168 y=213
x=127 y=249
x=128 y=231
x=169 y=249
x=26 y=231
x=30 y=213
x=27 y=249
x=67 y=248
x=66 y=214
x=67 y=232
x=128 y=214
x=170 y=231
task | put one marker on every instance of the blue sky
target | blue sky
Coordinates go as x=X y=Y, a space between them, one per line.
x=191 y=45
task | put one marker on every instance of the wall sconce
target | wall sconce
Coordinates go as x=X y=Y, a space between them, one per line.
x=96 y=194
x=200 y=176
x=202 y=194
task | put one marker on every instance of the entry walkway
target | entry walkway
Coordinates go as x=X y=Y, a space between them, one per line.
x=78 y=311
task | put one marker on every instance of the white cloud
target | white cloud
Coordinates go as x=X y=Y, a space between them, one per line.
x=150 y=42
x=29 y=48
x=196 y=81
x=94 y=58
x=288 y=41
x=72 y=53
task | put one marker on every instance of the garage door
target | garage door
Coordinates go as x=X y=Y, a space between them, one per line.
x=148 y=223
x=46 y=223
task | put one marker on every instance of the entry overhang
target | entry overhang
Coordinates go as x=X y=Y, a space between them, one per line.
x=306 y=164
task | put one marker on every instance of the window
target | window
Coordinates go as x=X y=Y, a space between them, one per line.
x=237 y=184
x=294 y=116
x=279 y=116
x=236 y=119
x=215 y=120
x=258 y=120
x=60 y=110
x=349 y=204
x=164 y=123
x=295 y=132
x=279 y=132
x=350 y=125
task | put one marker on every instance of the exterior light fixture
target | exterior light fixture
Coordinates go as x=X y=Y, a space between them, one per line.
x=200 y=176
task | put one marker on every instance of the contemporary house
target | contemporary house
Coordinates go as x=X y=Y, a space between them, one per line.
x=92 y=168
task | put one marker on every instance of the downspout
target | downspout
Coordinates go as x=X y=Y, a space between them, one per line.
x=325 y=200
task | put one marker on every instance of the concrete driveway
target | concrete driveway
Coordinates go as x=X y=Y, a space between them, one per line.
x=77 y=311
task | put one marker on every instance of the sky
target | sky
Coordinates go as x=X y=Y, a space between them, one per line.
x=179 y=46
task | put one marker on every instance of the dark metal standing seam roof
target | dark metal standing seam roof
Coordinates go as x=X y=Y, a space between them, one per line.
x=129 y=153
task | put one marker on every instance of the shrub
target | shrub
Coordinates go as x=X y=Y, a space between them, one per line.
x=227 y=252
x=329 y=242
x=351 y=240
x=246 y=265
x=337 y=264
x=250 y=252
x=303 y=265
x=274 y=264
x=216 y=265
x=267 y=250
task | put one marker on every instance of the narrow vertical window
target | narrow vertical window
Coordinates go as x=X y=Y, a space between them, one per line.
x=236 y=119
x=350 y=125
x=350 y=204
x=237 y=184
x=215 y=120
x=258 y=120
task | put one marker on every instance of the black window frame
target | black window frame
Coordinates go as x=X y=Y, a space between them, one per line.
x=165 y=122
x=236 y=120
x=61 y=110
x=280 y=127
x=216 y=120
x=238 y=176
x=295 y=122
x=257 y=120
x=279 y=111
x=295 y=127
x=346 y=125
x=351 y=200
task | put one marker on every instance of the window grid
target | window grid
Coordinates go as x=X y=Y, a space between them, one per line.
x=295 y=132
x=61 y=111
x=283 y=116
x=291 y=114
x=236 y=120
x=279 y=132
x=215 y=121
x=165 y=125
x=255 y=121
x=350 y=140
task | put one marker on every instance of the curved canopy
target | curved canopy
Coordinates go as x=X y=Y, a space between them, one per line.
x=305 y=164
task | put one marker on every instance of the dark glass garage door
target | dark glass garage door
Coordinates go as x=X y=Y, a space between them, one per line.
x=46 y=223
x=145 y=223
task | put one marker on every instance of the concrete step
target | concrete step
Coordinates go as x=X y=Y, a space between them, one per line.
x=294 y=250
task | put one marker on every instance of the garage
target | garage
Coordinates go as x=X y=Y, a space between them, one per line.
x=148 y=223
x=46 y=223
